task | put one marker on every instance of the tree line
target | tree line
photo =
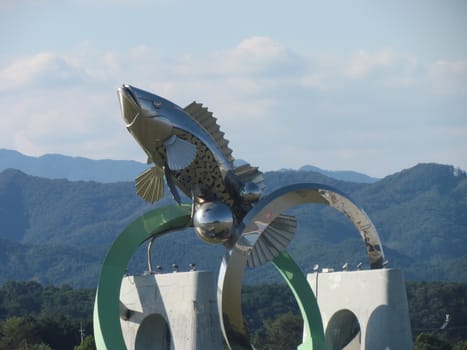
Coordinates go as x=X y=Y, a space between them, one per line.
x=37 y=317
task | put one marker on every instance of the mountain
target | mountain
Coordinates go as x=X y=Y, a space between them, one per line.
x=56 y=166
x=57 y=231
x=344 y=175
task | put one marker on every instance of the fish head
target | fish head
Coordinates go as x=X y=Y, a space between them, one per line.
x=146 y=118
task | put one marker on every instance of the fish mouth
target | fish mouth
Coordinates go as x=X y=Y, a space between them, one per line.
x=129 y=105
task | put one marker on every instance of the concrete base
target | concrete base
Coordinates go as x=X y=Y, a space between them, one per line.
x=170 y=311
x=363 y=309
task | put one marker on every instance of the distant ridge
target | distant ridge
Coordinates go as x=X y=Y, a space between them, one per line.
x=344 y=175
x=57 y=166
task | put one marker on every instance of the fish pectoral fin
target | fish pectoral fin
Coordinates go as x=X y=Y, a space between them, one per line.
x=150 y=184
x=180 y=153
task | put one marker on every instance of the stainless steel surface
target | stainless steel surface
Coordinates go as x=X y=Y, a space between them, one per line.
x=273 y=241
x=250 y=192
x=213 y=222
x=149 y=254
x=255 y=224
x=188 y=149
x=157 y=117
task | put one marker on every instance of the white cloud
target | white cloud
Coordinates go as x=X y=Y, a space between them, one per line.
x=363 y=62
x=44 y=69
x=248 y=56
x=448 y=77
x=399 y=81
x=380 y=68
x=257 y=56
x=278 y=108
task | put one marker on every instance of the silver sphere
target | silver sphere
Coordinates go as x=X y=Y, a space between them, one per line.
x=250 y=192
x=213 y=222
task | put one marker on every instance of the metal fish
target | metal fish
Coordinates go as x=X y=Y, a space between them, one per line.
x=186 y=147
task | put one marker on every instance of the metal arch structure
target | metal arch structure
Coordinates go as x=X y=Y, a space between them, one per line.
x=107 y=330
x=168 y=219
x=188 y=150
x=253 y=227
x=165 y=220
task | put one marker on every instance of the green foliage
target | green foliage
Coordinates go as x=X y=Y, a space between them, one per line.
x=29 y=333
x=426 y=341
x=266 y=302
x=43 y=317
x=462 y=345
x=283 y=333
x=88 y=344
x=429 y=303
x=272 y=315
x=62 y=332
x=58 y=231
x=32 y=299
x=46 y=317
x=18 y=333
x=40 y=346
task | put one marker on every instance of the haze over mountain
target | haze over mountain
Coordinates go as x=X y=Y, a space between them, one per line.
x=57 y=166
x=58 y=231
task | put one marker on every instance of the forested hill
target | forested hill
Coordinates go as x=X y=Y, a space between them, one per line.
x=58 y=231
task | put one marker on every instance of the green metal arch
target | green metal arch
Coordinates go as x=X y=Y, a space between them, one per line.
x=107 y=329
x=312 y=321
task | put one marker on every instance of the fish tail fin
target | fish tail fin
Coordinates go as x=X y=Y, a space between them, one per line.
x=150 y=184
x=273 y=240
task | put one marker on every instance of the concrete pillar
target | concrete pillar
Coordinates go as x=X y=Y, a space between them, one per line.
x=173 y=311
x=364 y=309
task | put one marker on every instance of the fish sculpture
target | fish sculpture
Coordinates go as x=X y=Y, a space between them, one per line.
x=188 y=150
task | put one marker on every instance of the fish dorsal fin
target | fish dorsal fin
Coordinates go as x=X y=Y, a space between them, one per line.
x=150 y=184
x=209 y=123
x=247 y=173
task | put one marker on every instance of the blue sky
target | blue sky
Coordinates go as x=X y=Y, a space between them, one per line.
x=372 y=86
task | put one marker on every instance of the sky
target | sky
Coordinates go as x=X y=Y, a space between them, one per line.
x=370 y=86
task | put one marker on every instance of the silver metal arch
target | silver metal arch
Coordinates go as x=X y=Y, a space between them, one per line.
x=255 y=223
